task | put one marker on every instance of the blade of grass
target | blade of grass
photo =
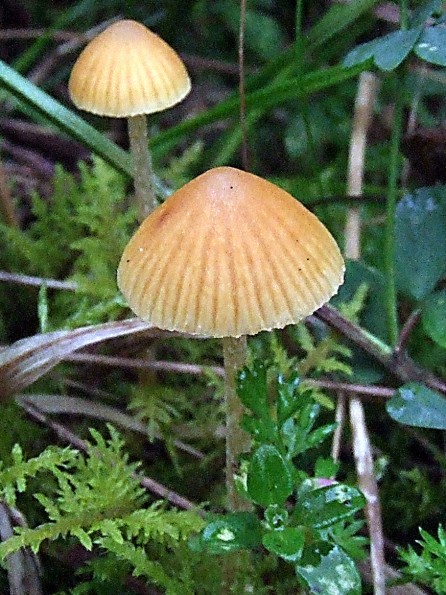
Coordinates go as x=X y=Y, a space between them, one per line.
x=337 y=18
x=65 y=119
x=261 y=99
x=289 y=62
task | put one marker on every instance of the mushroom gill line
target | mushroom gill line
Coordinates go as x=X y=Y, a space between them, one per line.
x=259 y=256
x=252 y=283
x=204 y=254
x=229 y=254
x=279 y=267
x=314 y=285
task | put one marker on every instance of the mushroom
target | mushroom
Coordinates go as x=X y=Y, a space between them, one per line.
x=228 y=255
x=128 y=71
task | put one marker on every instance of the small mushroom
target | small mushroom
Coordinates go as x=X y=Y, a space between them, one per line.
x=228 y=255
x=129 y=71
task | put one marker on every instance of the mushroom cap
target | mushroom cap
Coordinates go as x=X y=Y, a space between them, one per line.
x=229 y=254
x=127 y=70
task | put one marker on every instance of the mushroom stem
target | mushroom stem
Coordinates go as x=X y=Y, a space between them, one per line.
x=237 y=440
x=142 y=163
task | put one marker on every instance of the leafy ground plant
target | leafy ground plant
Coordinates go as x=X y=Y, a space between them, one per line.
x=305 y=520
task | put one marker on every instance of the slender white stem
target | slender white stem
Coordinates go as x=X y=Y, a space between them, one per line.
x=367 y=89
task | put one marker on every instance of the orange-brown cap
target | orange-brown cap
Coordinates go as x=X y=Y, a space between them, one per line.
x=229 y=254
x=127 y=70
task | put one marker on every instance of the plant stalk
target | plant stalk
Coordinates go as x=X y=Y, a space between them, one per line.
x=237 y=440
x=392 y=190
x=144 y=179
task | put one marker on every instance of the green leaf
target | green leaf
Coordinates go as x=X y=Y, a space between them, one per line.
x=269 y=96
x=417 y=405
x=393 y=48
x=230 y=533
x=370 y=315
x=326 y=506
x=288 y=400
x=431 y=46
x=365 y=368
x=325 y=468
x=252 y=389
x=263 y=34
x=276 y=517
x=421 y=14
x=387 y=52
x=320 y=435
x=269 y=478
x=288 y=543
x=337 y=18
x=433 y=317
x=420 y=239
x=335 y=574
x=361 y=53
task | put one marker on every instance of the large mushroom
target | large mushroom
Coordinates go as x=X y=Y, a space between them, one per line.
x=128 y=71
x=228 y=255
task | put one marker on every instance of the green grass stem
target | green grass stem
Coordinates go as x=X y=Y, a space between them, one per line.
x=392 y=193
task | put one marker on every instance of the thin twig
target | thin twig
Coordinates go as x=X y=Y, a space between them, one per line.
x=367 y=390
x=66 y=435
x=399 y=364
x=37 y=281
x=59 y=36
x=61 y=404
x=197 y=370
x=407 y=329
x=145 y=364
x=6 y=203
x=362 y=448
x=340 y=416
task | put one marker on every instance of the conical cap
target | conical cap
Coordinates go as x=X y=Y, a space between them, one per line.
x=229 y=254
x=127 y=70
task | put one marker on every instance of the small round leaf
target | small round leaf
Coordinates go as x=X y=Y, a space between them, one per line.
x=287 y=543
x=434 y=317
x=269 y=478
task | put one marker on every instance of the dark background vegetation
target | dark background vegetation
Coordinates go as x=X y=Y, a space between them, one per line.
x=299 y=143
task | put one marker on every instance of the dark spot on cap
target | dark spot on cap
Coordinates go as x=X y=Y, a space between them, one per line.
x=128 y=260
x=308 y=259
x=163 y=217
x=231 y=187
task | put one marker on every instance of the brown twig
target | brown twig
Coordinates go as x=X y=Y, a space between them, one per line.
x=7 y=207
x=22 y=566
x=37 y=281
x=145 y=364
x=59 y=36
x=61 y=404
x=198 y=370
x=406 y=331
x=367 y=390
x=340 y=418
x=399 y=364
x=362 y=448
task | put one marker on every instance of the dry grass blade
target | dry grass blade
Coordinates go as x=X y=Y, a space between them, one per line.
x=22 y=566
x=24 y=362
